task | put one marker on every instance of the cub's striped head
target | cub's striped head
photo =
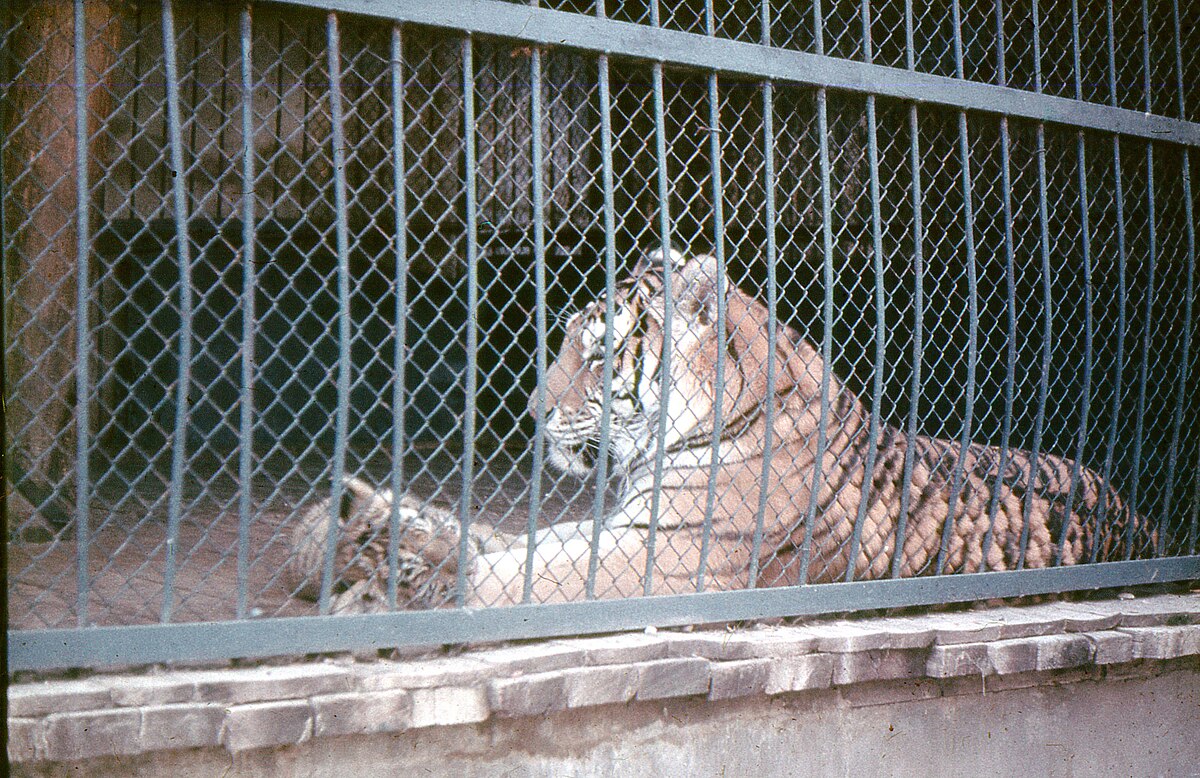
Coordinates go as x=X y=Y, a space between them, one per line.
x=575 y=380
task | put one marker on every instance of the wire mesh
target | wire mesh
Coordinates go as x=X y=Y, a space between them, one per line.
x=292 y=298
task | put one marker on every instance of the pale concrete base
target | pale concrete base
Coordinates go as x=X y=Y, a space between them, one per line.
x=1058 y=724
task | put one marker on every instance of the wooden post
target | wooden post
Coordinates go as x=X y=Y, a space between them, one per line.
x=41 y=250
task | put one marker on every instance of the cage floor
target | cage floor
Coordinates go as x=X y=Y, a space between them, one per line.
x=127 y=558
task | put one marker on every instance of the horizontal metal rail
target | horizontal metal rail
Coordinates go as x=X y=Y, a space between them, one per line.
x=560 y=28
x=144 y=644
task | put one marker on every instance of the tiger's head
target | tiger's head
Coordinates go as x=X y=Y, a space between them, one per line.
x=575 y=380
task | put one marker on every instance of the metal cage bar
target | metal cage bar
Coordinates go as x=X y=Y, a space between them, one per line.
x=827 y=278
x=183 y=247
x=874 y=430
x=769 y=218
x=664 y=234
x=718 y=432
x=471 y=391
x=83 y=240
x=401 y=355
x=333 y=47
x=249 y=284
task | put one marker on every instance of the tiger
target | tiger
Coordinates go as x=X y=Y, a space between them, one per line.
x=792 y=447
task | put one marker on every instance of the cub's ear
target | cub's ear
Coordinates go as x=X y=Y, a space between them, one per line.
x=359 y=497
x=699 y=282
x=655 y=258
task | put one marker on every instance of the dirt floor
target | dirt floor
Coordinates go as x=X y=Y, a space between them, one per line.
x=127 y=555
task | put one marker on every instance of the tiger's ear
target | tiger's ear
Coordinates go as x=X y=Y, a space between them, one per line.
x=699 y=283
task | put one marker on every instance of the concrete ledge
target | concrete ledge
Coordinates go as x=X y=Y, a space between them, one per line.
x=869 y=662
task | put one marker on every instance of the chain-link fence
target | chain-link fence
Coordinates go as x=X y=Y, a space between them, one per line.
x=320 y=308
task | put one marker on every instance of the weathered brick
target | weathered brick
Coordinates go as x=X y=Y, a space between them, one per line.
x=1010 y=657
x=739 y=679
x=87 y=734
x=26 y=739
x=361 y=713
x=136 y=690
x=1159 y=610
x=263 y=684
x=1058 y=652
x=533 y=658
x=958 y=660
x=1078 y=617
x=877 y=666
x=713 y=645
x=800 y=673
x=781 y=641
x=528 y=695
x=1110 y=647
x=850 y=638
x=954 y=628
x=1026 y=621
x=449 y=705
x=905 y=632
x=448 y=671
x=587 y=686
x=622 y=649
x=40 y=699
x=1165 y=642
x=195 y=725
x=263 y=724
x=681 y=677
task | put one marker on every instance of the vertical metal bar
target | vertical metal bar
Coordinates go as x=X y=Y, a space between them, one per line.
x=539 y=280
x=810 y=516
x=910 y=454
x=249 y=283
x=400 y=357
x=1048 y=310
x=918 y=304
x=956 y=481
x=1119 y=361
x=1085 y=238
x=183 y=246
x=468 y=453
x=873 y=431
x=718 y=193
x=1148 y=325
x=83 y=341
x=1144 y=362
x=1185 y=346
x=610 y=294
x=664 y=230
x=772 y=318
x=1037 y=46
x=910 y=48
x=1010 y=292
x=1119 y=357
x=333 y=48
x=768 y=99
x=1194 y=527
x=1047 y=344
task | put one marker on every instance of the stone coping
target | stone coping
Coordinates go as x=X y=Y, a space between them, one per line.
x=930 y=655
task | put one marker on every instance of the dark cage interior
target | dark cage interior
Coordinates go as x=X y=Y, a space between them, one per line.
x=1038 y=298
